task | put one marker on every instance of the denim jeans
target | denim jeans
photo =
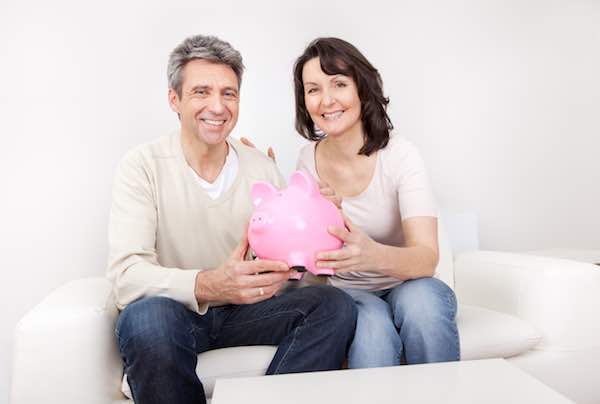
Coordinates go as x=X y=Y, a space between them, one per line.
x=160 y=338
x=411 y=323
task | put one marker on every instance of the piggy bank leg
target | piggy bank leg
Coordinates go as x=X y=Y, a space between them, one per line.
x=322 y=271
x=296 y=276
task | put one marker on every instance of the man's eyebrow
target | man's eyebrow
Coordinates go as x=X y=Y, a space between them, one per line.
x=199 y=87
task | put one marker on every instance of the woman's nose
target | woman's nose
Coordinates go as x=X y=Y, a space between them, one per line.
x=327 y=99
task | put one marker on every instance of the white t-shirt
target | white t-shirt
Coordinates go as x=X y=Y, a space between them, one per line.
x=225 y=178
x=399 y=190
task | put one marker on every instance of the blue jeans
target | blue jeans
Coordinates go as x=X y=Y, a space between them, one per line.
x=414 y=322
x=160 y=338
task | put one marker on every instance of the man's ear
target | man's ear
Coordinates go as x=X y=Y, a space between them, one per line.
x=173 y=100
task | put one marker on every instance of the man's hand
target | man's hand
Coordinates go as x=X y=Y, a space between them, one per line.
x=241 y=282
x=329 y=193
x=270 y=151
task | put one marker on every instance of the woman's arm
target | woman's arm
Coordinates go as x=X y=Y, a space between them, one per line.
x=417 y=259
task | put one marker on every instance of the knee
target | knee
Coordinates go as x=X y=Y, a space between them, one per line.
x=150 y=324
x=425 y=302
x=335 y=304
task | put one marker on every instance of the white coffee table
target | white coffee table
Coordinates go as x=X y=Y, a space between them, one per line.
x=484 y=381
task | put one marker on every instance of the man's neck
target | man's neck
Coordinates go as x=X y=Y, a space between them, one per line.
x=206 y=160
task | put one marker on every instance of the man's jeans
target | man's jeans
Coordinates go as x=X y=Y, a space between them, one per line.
x=160 y=339
x=414 y=321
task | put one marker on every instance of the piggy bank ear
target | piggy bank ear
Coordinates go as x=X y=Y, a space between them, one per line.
x=304 y=181
x=261 y=191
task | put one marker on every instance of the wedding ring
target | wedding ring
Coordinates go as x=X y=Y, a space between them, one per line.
x=261 y=291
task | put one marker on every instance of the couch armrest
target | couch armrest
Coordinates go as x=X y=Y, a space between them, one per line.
x=558 y=297
x=65 y=348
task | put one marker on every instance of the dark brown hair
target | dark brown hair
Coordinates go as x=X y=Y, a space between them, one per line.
x=337 y=56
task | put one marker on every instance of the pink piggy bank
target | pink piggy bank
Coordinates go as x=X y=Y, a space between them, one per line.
x=290 y=225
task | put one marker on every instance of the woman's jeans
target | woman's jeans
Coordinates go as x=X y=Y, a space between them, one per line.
x=160 y=339
x=414 y=322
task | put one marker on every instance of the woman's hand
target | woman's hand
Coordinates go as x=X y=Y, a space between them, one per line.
x=329 y=193
x=359 y=253
x=270 y=151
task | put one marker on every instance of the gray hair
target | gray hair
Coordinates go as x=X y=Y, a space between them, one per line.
x=203 y=47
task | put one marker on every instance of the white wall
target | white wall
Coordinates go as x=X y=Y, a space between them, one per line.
x=502 y=97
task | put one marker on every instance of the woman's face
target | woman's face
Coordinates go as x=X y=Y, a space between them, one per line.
x=331 y=101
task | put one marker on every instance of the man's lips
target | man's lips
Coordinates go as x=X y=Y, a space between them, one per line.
x=213 y=122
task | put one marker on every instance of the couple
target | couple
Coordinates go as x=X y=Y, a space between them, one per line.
x=178 y=246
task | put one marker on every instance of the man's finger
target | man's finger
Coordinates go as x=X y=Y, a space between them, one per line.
x=259 y=266
x=262 y=280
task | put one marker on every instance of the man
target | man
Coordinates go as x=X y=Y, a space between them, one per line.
x=177 y=246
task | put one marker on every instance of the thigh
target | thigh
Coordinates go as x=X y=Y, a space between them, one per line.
x=376 y=340
x=150 y=321
x=422 y=299
x=270 y=321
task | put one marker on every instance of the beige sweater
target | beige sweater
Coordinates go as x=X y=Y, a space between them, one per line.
x=164 y=228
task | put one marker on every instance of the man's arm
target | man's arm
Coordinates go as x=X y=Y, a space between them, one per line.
x=133 y=262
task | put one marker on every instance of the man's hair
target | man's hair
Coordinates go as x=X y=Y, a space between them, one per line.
x=340 y=57
x=203 y=47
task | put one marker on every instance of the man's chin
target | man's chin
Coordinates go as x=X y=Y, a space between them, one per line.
x=212 y=138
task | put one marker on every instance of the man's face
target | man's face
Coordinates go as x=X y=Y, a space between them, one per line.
x=209 y=102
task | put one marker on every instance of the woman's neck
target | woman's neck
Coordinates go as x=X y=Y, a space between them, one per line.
x=344 y=147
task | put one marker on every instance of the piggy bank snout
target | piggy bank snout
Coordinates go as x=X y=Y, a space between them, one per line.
x=259 y=221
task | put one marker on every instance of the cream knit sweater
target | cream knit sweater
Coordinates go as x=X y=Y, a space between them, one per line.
x=164 y=228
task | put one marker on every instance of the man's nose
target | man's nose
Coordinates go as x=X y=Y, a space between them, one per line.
x=217 y=106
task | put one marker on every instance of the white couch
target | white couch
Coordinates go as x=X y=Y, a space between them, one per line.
x=542 y=314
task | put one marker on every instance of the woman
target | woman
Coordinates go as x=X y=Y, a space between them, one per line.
x=390 y=252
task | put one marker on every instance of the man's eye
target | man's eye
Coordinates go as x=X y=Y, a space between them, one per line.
x=200 y=92
x=230 y=95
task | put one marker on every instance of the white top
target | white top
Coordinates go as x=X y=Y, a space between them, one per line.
x=399 y=190
x=224 y=180
x=164 y=228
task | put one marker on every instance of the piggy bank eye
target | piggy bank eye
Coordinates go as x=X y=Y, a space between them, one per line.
x=279 y=193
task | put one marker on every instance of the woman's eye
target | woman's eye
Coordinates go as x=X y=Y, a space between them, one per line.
x=340 y=84
x=311 y=91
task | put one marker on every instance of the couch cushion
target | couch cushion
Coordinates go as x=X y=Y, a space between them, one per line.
x=490 y=334
x=240 y=361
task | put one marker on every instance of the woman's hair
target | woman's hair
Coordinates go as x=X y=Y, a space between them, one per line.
x=340 y=57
